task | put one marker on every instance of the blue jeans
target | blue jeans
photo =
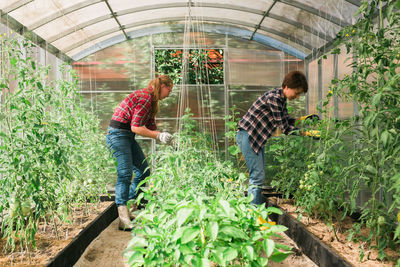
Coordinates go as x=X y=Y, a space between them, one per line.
x=130 y=158
x=255 y=164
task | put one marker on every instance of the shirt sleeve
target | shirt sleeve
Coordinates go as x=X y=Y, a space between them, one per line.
x=151 y=124
x=280 y=115
x=140 y=111
x=291 y=120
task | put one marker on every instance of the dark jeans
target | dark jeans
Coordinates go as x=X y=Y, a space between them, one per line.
x=256 y=165
x=130 y=158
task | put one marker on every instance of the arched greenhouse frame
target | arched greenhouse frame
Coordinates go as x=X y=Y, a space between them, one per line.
x=67 y=65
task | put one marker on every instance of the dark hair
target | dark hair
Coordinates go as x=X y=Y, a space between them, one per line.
x=295 y=79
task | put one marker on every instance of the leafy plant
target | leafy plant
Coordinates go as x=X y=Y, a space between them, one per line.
x=197 y=212
x=195 y=66
x=51 y=150
x=358 y=155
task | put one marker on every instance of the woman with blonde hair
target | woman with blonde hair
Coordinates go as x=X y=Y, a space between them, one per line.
x=135 y=115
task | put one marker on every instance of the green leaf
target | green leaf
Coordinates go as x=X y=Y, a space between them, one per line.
x=397 y=232
x=212 y=230
x=230 y=254
x=234 y=150
x=189 y=234
x=182 y=215
x=218 y=257
x=385 y=137
x=274 y=210
x=279 y=256
x=284 y=247
x=185 y=249
x=225 y=206
x=277 y=228
x=371 y=169
x=376 y=99
x=250 y=252
x=269 y=246
x=263 y=261
x=136 y=257
x=233 y=231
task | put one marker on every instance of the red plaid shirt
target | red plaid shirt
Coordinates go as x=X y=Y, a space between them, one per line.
x=266 y=114
x=136 y=109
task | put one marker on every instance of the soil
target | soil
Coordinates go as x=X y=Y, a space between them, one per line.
x=106 y=251
x=348 y=250
x=48 y=245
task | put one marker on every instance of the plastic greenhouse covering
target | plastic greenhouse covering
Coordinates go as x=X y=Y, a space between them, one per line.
x=77 y=28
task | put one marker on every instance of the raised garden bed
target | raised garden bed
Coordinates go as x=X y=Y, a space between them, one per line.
x=71 y=253
x=316 y=250
x=318 y=241
x=72 y=238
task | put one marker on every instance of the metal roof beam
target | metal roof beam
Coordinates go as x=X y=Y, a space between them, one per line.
x=266 y=13
x=211 y=28
x=172 y=5
x=153 y=21
x=16 y=5
x=315 y=12
x=357 y=3
x=115 y=18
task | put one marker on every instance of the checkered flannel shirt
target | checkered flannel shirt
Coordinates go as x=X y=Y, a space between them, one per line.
x=265 y=115
x=136 y=109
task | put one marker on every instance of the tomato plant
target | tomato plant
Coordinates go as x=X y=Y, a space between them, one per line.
x=199 y=66
x=359 y=155
x=49 y=146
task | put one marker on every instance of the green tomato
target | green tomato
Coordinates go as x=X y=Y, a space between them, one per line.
x=26 y=207
x=381 y=220
x=13 y=210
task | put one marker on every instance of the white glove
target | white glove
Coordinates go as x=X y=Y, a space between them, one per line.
x=164 y=137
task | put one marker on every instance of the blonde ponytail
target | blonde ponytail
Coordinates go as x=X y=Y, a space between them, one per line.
x=156 y=85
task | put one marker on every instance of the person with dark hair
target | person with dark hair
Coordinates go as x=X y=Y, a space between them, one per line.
x=135 y=115
x=266 y=114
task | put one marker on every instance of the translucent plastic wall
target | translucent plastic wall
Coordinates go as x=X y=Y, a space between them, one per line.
x=320 y=74
x=108 y=76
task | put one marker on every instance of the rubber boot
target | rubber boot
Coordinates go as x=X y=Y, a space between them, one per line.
x=124 y=221
x=131 y=208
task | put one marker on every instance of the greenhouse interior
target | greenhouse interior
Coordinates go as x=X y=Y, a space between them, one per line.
x=200 y=133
